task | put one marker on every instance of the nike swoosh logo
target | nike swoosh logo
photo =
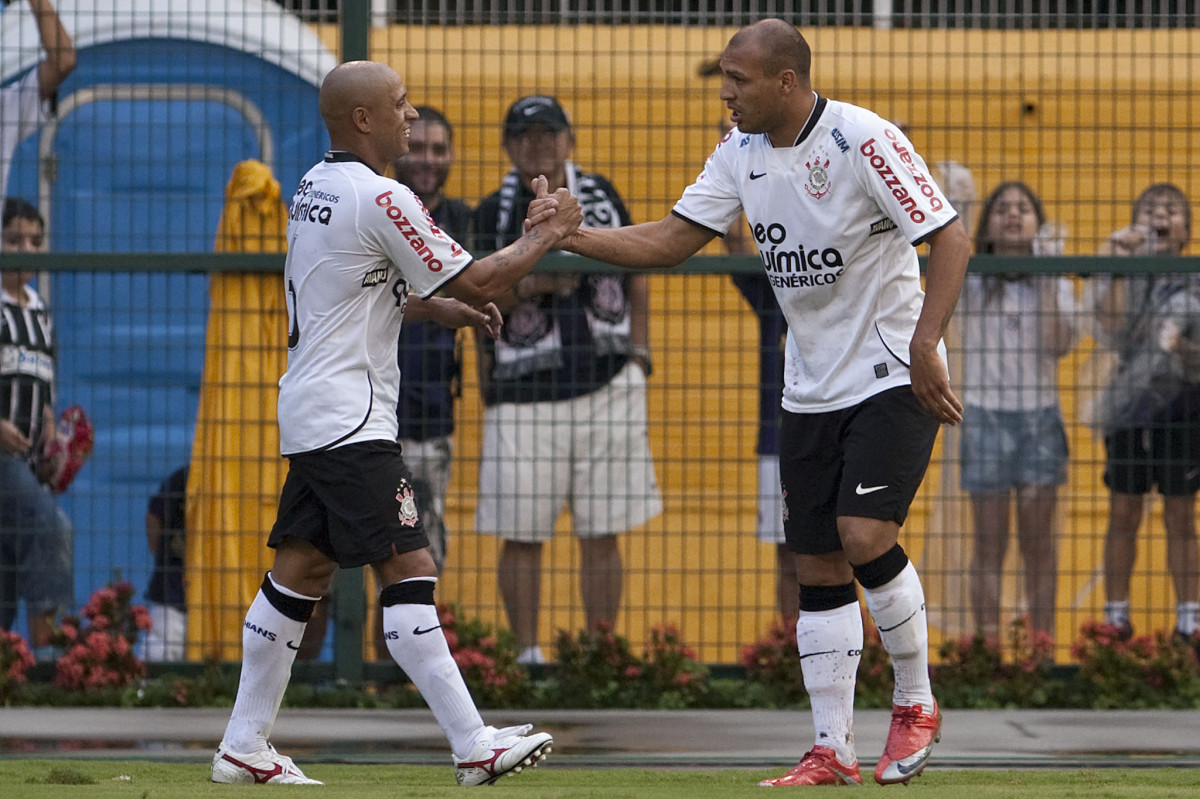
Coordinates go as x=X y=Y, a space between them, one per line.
x=860 y=490
x=419 y=631
x=894 y=626
x=754 y=176
x=289 y=646
x=814 y=654
x=906 y=769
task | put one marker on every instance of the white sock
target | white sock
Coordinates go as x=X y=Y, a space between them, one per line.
x=830 y=644
x=426 y=659
x=268 y=638
x=898 y=608
x=1187 y=617
x=1117 y=612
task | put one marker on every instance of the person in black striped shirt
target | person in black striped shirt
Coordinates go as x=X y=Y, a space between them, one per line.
x=36 y=549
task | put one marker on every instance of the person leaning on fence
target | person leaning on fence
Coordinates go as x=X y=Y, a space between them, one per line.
x=835 y=197
x=28 y=102
x=37 y=556
x=565 y=391
x=1013 y=446
x=756 y=289
x=166 y=537
x=350 y=276
x=1149 y=411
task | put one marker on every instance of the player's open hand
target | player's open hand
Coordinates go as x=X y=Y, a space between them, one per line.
x=931 y=385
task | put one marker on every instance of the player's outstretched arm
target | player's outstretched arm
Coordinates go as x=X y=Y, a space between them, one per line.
x=949 y=251
x=650 y=245
x=486 y=279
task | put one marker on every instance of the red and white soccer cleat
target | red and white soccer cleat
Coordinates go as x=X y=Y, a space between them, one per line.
x=909 y=743
x=506 y=751
x=819 y=766
x=257 y=768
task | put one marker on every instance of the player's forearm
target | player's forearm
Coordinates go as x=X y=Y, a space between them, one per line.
x=947 y=266
x=644 y=246
x=489 y=278
x=60 y=50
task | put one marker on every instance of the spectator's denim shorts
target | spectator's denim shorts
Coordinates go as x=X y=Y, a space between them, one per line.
x=1002 y=450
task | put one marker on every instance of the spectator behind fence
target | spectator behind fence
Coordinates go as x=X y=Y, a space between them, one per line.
x=430 y=361
x=37 y=558
x=166 y=536
x=1016 y=326
x=836 y=196
x=351 y=276
x=565 y=391
x=772 y=330
x=1149 y=411
x=27 y=103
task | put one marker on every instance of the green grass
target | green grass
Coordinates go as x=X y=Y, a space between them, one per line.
x=104 y=779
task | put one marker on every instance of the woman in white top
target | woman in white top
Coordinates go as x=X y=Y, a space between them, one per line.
x=1015 y=328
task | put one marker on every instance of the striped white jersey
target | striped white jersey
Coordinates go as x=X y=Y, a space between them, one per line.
x=26 y=361
x=835 y=217
x=358 y=242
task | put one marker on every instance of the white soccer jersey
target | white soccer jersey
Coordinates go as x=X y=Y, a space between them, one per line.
x=835 y=217
x=21 y=112
x=358 y=242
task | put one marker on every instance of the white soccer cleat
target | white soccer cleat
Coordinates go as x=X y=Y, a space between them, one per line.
x=505 y=751
x=258 y=768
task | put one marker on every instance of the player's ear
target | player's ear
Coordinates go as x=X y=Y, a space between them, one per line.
x=788 y=80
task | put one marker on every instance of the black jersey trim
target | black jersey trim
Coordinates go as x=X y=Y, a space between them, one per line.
x=344 y=157
x=818 y=109
x=335 y=442
x=694 y=223
x=925 y=237
x=883 y=341
x=447 y=281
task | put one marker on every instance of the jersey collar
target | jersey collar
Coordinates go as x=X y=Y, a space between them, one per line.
x=813 y=117
x=343 y=157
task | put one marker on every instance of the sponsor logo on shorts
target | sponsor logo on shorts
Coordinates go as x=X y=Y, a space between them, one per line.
x=408 y=504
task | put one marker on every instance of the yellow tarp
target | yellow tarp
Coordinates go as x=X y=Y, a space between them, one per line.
x=237 y=472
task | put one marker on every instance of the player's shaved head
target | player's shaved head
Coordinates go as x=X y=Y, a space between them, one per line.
x=354 y=84
x=777 y=45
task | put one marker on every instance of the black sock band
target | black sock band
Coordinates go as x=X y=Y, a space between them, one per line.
x=409 y=592
x=883 y=569
x=294 y=608
x=815 y=598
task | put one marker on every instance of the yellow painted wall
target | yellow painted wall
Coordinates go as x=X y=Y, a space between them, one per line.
x=1087 y=118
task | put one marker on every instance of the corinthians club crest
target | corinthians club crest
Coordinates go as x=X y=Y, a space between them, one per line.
x=408 y=504
x=817 y=184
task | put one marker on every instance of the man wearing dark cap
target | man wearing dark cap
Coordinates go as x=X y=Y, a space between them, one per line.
x=564 y=388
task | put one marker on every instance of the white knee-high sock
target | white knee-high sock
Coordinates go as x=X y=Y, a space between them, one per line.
x=830 y=644
x=269 y=643
x=898 y=608
x=416 y=643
